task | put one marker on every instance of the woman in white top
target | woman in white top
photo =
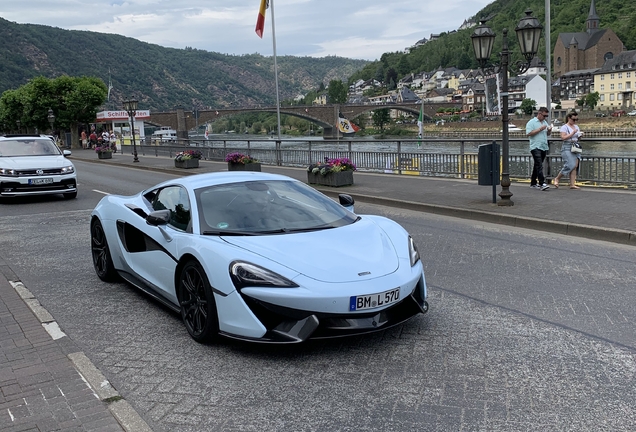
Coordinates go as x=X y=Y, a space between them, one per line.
x=570 y=134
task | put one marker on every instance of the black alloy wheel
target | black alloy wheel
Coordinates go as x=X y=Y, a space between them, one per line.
x=198 y=308
x=102 y=260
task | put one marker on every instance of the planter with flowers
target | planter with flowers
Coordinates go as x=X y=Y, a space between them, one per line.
x=333 y=172
x=104 y=152
x=187 y=159
x=241 y=162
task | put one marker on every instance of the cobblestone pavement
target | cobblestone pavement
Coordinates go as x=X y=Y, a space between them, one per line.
x=524 y=333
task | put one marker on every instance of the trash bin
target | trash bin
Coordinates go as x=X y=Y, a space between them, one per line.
x=488 y=164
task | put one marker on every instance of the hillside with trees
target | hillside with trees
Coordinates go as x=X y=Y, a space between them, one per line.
x=160 y=78
x=455 y=48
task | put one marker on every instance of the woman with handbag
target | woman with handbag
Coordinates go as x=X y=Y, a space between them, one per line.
x=570 y=150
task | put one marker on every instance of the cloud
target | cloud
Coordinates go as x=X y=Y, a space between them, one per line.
x=317 y=28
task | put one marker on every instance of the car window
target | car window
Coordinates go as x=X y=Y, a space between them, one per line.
x=175 y=199
x=28 y=147
x=266 y=206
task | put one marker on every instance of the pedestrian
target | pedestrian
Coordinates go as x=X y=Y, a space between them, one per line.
x=84 y=139
x=570 y=134
x=92 y=140
x=537 y=131
x=113 y=141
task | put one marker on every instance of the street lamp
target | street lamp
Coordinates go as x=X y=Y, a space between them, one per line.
x=528 y=33
x=51 y=118
x=130 y=106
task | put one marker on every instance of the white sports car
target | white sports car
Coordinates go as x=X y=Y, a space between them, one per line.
x=35 y=165
x=259 y=257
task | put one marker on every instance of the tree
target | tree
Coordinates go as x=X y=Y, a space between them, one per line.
x=337 y=92
x=73 y=100
x=381 y=117
x=528 y=105
x=591 y=100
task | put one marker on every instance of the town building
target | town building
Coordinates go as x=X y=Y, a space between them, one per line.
x=585 y=50
x=615 y=82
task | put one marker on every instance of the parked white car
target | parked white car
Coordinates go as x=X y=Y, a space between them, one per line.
x=34 y=165
x=632 y=113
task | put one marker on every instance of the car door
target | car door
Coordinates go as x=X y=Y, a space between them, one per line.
x=156 y=260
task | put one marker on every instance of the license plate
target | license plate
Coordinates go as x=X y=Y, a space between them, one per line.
x=39 y=181
x=385 y=298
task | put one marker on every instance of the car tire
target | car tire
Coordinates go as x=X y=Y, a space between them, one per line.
x=70 y=195
x=102 y=261
x=196 y=299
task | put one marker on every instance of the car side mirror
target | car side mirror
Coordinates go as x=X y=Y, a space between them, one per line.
x=346 y=201
x=66 y=153
x=159 y=217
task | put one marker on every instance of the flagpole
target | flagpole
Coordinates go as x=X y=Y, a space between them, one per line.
x=271 y=3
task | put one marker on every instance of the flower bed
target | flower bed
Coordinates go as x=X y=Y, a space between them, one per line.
x=187 y=159
x=242 y=162
x=104 y=152
x=333 y=172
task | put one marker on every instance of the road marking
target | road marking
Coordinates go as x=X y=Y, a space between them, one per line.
x=101 y=192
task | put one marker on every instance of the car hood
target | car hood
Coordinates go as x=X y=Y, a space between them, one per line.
x=346 y=254
x=28 y=162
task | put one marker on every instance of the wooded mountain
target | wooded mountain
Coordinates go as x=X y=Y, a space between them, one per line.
x=455 y=48
x=160 y=78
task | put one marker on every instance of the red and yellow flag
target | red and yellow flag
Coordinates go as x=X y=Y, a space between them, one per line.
x=260 y=21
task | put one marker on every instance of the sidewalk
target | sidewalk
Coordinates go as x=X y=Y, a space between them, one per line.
x=46 y=383
x=597 y=213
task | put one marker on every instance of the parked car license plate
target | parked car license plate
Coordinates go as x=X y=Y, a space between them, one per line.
x=385 y=298
x=39 y=181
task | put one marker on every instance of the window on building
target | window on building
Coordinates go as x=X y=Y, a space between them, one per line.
x=602 y=99
x=620 y=86
x=628 y=75
x=620 y=96
x=602 y=87
x=620 y=75
x=611 y=86
x=611 y=96
x=603 y=77
x=612 y=76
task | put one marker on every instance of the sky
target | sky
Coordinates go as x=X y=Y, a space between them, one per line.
x=359 y=29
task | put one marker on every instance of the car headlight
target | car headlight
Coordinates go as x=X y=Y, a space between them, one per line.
x=414 y=255
x=245 y=274
x=8 y=172
x=68 y=169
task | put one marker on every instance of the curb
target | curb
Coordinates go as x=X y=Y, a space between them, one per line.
x=123 y=412
x=571 y=229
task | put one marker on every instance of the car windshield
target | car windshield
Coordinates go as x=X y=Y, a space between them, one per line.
x=267 y=207
x=28 y=147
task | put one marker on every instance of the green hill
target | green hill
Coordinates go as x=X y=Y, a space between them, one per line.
x=161 y=78
x=455 y=48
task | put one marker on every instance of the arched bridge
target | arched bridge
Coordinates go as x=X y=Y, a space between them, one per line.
x=325 y=116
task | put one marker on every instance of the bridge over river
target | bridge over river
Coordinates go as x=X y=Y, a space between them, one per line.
x=325 y=116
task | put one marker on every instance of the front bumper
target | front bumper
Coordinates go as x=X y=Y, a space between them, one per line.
x=286 y=325
x=20 y=186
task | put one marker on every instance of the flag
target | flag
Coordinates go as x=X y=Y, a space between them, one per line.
x=206 y=134
x=260 y=20
x=420 y=124
x=345 y=126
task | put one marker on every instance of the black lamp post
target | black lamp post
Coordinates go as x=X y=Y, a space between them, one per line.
x=130 y=106
x=51 y=118
x=528 y=33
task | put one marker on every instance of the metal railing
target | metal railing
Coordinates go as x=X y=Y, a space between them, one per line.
x=457 y=158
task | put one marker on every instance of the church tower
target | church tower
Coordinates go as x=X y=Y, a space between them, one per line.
x=593 y=20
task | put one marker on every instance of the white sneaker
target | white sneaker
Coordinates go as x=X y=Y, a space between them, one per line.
x=544 y=187
x=534 y=186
